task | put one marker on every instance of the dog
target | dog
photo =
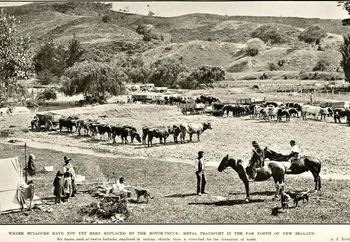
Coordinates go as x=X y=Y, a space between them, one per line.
x=285 y=198
x=143 y=193
x=299 y=196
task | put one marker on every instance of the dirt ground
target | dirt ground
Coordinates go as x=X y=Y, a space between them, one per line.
x=325 y=140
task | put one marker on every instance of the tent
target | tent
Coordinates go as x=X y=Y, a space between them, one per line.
x=11 y=178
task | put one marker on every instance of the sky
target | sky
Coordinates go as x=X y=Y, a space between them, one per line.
x=306 y=9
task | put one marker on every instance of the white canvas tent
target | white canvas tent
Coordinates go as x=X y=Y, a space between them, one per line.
x=11 y=178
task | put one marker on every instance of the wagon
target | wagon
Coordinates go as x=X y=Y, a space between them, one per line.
x=49 y=120
x=192 y=108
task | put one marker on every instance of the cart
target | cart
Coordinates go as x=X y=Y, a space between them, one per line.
x=49 y=120
x=192 y=108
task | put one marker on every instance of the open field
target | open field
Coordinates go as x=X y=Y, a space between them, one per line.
x=167 y=170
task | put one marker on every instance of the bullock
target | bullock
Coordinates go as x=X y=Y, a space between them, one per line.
x=68 y=123
x=175 y=131
x=314 y=110
x=193 y=128
x=159 y=132
x=103 y=129
x=281 y=113
x=292 y=111
x=124 y=132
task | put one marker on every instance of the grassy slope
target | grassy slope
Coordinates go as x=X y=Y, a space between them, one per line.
x=42 y=21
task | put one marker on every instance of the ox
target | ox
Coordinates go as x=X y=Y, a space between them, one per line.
x=193 y=128
x=68 y=123
x=314 y=110
x=159 y=132
x=124 y=132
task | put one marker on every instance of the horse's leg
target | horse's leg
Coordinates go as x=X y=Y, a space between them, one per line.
x=198 y=136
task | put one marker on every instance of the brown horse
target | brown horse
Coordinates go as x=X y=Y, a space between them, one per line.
x=269 y=169
x=301 y=165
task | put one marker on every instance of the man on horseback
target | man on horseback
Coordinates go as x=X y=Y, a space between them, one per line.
x=259 y=152
x=294 y=152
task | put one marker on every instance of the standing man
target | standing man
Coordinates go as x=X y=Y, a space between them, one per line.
x=68 y=167
x=200 y=173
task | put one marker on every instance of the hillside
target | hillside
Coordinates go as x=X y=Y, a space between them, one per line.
x=195 y=38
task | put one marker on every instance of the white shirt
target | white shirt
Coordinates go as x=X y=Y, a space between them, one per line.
x=119 y=187
x=295 y=149
x=197 y=163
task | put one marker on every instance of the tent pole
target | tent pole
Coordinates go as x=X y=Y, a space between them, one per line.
x=25 y=163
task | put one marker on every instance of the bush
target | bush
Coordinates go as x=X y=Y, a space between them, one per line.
x=312 y=34
x=106 y=19
x=45 y=77
x=47 y=94
x=273 y=67
x=252 y=51
x=321 y=65
x=269 y=34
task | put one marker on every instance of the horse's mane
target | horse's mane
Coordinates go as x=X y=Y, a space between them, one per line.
x=275 y=155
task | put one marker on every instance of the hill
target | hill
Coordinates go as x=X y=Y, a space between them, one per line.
x=195 y=38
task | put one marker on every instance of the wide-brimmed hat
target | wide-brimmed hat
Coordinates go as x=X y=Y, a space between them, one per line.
x=254 y=143
x=121 y=179
x=292 y=142
x=31 y=156
x=66 y=158
x=200 y=152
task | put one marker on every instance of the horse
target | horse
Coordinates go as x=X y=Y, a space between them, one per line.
x=301 y=165
x=269 y=169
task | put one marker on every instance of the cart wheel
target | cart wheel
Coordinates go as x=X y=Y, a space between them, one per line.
x=48 y=125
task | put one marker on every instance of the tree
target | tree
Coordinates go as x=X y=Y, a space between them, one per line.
x=15 y=59
x=165 y=72
x=51 y=58
x=94 y=79
x=74 y=53
x=345 y=52
x=312 y=34
x=206 y=75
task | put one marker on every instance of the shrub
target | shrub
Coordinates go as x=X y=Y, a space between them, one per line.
x=269 y=34
x=47 y=94
x=106 y=19
x=273 y=67
x=252 y=51
x=321 y=65
x=312 y=34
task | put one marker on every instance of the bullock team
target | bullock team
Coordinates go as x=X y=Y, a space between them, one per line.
x=98 y=130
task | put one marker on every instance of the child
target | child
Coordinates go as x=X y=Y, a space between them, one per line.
x=67 y=187
x=58 y=187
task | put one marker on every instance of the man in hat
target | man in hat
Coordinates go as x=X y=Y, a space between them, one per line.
x=68 y=167
x=120 y=188
x=200 y=174
x=259 y=152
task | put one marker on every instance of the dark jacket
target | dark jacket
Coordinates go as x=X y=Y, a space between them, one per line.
x=58 y=184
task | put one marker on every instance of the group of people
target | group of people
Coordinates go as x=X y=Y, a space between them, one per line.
x=200 y=165
x=64 y=182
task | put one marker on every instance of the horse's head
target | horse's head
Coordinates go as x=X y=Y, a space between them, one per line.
x=223 y=164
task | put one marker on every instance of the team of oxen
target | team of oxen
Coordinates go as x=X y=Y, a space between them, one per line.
x=98 y=130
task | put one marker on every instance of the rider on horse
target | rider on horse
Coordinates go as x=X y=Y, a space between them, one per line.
x=259 y=152
x=294 y=152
